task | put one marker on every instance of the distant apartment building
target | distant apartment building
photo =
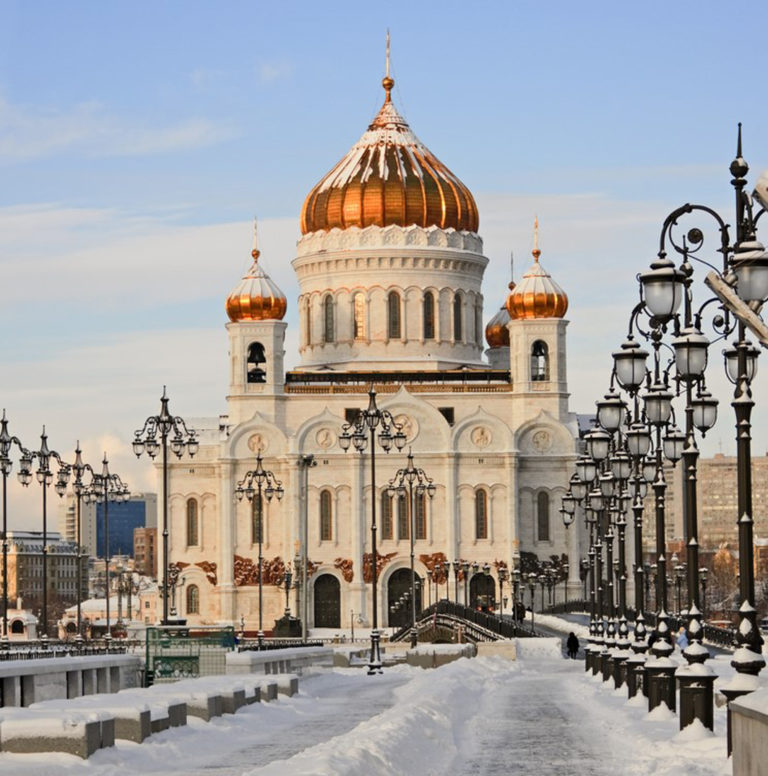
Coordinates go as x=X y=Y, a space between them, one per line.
x=138 y=512
x=717 y=495
x=145 y=551
x=25 y=568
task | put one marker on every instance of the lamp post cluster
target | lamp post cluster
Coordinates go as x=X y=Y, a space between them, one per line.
x=361 y=432
x=640 y=432
x=158 y=432
x=88 y=485
x=414 y=482
x=257 y=484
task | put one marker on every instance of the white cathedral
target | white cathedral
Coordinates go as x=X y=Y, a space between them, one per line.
x=390 y=265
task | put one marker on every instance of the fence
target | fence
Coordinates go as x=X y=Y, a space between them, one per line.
x=174 y=653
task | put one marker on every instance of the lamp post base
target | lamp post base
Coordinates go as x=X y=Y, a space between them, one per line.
x=374 y=663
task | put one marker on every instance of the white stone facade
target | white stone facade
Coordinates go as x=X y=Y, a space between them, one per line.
x=503 y=444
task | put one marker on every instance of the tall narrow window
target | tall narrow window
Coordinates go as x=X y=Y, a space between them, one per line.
x=420 y=518
x=539 y=361
x=307 y=323
x=478 y=323
x=429 y=316
x=193 y=599
x=393 y=315
x=403 y=518
x=481 y=514
x=328 y=335
x=386 y=515
x=458 y=324
x=359 y=316
x=326 y=514
x=257 y=519
x=542 y=516
x=192 y=534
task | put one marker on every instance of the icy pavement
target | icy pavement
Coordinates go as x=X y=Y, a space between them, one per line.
x=540 y=714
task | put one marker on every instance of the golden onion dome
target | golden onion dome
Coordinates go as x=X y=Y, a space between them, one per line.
x=389 y=177
x=496 y=332
x=257 y=297
x=537 y=295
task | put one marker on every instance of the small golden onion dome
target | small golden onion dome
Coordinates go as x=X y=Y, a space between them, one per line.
x=257 y=297
x=389 y=177
x=537 y=295
x=496 y=332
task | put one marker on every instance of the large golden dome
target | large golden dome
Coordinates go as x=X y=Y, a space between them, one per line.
x=537 y=295
x=389 y=177
x=257 y=297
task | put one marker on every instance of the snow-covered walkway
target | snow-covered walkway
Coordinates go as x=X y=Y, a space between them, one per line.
x=538 y=715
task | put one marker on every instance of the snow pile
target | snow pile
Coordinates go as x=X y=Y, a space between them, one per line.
x=539 y=648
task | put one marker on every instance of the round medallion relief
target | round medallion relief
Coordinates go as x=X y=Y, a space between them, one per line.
x=409 y=425
x=257 y=443
x=325 y=438
x=542 y=441
x=481 y=436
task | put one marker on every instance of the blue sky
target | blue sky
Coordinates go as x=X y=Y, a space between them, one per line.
x=138 y=140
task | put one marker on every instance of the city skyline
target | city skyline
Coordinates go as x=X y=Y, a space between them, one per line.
x=138 y=143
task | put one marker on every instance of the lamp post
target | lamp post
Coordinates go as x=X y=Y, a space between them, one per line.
x=456 y=566
x=361 y=432
x=415 y=481
x=287 y=579
x=266 y=485
x=79 y=487
x=447 y=573
x=532 y=588
x=503 y=576
x=475 y=570
x=6 y=443
x=516 y=592
x=703 y=579
x=44 y=476
x=106 y=487
x=429 y=585
x=165 y=425
x=465 y=566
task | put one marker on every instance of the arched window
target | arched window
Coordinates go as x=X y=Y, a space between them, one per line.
x=386 y=515
x=478 y=323
x=481 y=514
x=539 y=361
x=192 y=532
x=257 y=519
x=429 y=316
x=359 y=316
x=420 y=518
x=403 y=527
x=328 y=328
x=542 y=516
x=326 y=514
x=193 y=599
x=393 y=315
x=458 y=314
x=255 y=363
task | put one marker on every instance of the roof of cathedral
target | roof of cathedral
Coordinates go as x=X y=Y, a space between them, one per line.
x=537 y=295
x=389 y=177
x=256 y=297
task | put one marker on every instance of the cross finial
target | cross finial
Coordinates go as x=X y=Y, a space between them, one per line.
x=255 y=252
x=536 y=251
x=387 y=82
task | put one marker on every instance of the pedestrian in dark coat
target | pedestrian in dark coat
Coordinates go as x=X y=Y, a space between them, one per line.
x=572 y=645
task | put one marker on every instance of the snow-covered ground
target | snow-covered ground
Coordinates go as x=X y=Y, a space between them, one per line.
x=539 y=715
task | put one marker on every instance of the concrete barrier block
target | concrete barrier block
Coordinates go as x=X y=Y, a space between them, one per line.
x=51 y=734
x=232 y=700
x=287 y=684
x=268 y=691
x=177 y=713
x=204 y=706
x=133 y=724
x=159 y=723
x=107 y=731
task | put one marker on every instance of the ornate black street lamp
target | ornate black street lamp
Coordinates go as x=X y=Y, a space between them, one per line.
x=503 y=577
x=703 y=579
x=416 y=483
x=266 y=485
x=106 y=487
x=44 y=476
x=361 y=432
x=165 y=426
x=6 y=443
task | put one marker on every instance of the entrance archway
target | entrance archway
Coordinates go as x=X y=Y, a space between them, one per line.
x=400 y=583
x=327 y=602
x=482 y=592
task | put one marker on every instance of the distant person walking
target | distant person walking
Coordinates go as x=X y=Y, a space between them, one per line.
x=572 y=645
x=682 y=639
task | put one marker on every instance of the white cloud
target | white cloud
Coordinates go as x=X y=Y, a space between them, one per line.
x=88 y=129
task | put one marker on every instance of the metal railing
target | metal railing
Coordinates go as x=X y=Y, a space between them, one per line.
x=269 y=644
